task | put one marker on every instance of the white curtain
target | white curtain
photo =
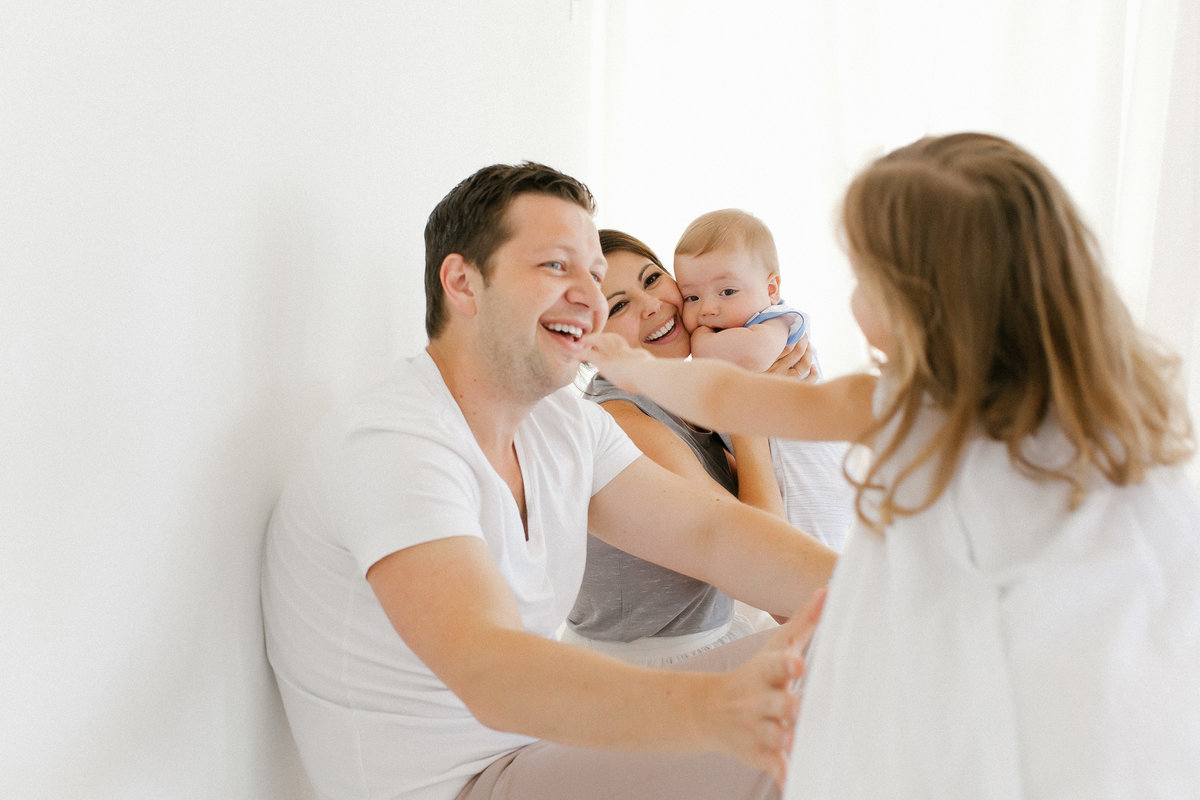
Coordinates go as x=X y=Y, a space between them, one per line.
x=772 y=106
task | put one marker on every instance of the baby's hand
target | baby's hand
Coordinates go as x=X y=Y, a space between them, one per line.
x=614 y=358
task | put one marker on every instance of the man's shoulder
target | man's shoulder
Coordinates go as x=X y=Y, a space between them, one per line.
x=570 y=422
x=567 y=408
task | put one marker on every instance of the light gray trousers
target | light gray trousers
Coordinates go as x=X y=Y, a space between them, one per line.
x=548 y=771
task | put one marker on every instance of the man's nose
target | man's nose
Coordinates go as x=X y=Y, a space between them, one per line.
x=585 y=290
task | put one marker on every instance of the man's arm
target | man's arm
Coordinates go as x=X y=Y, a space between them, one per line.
x=754 y=348
x=749 y=554
x=452 y=607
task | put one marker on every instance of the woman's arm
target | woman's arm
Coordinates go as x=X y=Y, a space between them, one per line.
x=723 y=397
x=662 y=445
x=757 y=484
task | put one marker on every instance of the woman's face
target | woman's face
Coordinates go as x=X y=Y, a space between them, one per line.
x=643 y=305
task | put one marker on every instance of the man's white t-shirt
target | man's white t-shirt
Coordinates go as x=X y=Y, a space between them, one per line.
x=999 y=645
x=397 y=468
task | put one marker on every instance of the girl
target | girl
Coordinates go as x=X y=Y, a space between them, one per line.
x=1016 y=613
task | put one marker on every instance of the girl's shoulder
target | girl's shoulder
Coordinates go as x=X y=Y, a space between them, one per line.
x=1012 y=520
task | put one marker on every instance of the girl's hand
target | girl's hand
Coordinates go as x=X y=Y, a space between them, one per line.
x=795 y=361
x=615 y=359
x=755 y=706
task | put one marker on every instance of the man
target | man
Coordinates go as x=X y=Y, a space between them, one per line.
x=433 y=539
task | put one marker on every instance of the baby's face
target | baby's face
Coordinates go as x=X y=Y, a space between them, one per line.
x=721 y=288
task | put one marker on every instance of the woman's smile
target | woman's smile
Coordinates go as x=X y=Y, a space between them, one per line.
x=667 y=328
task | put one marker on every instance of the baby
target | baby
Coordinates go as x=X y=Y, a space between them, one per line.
x=727 y=269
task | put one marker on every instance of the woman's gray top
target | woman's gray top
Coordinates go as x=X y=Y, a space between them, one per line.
x=625 y=598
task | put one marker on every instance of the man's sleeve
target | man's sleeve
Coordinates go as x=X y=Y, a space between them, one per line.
x=394 y=489
x=614 y=449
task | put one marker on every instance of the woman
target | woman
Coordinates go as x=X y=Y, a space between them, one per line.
x=628 y=607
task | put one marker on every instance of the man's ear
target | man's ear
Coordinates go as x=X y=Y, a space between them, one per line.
x=773 y=287
x=460 y=280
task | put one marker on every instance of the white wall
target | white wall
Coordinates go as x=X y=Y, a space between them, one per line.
x=210 y=230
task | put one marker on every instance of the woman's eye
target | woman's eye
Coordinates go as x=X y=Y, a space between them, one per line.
x=617 y=306
x=652 y=279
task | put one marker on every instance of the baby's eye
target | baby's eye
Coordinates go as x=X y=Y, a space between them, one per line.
x=691 y=298
x=597 y=277
x=617 y=306
x=555 y=265
x=728 y=292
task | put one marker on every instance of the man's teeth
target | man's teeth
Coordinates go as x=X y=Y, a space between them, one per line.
x=558 y=327
x=667 y=327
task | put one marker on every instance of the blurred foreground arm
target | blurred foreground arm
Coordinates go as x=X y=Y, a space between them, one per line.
x=723 y=397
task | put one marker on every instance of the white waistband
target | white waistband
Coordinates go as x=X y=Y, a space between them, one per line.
x=661 y=651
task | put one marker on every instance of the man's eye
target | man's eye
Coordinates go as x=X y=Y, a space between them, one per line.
x=617 y=306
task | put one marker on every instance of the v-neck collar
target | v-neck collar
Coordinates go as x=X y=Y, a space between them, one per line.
x=532 y=537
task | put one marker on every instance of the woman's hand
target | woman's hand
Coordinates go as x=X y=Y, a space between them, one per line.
x=755 y=706
x=795 y=361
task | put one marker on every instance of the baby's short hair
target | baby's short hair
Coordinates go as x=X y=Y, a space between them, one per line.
x=730 y=227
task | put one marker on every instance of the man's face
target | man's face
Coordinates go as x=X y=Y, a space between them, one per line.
x=542 y=296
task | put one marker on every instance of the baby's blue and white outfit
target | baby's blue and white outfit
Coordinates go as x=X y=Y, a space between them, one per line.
x=799 y=325
x=817 y=498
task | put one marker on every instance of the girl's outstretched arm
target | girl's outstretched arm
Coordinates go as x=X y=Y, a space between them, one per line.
x=723 y=397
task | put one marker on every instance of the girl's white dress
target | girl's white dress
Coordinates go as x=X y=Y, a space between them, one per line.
x=999 y=645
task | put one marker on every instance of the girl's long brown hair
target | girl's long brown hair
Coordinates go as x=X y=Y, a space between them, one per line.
x=1001 y=316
